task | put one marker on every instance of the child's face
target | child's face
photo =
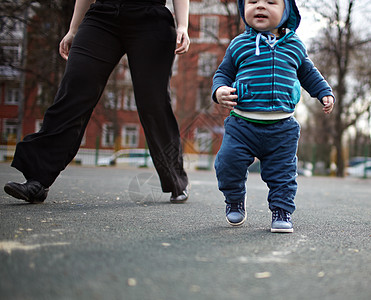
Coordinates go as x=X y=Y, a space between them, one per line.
x=264 y=15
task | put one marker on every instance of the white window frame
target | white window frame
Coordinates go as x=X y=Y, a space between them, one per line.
x=83 y=140
x=108 y=135
x=175 y=66
x=130 y=136
x=173 y=94
x=12 y=95
x=13 y=54
x=203 y=140
x=129 y=100
x=209 y=28
x=203 y=99
x=111 y=101
x=10 y=127
x=207 y=64
x=38 y=125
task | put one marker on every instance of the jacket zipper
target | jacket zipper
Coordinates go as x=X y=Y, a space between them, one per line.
x=273 y=74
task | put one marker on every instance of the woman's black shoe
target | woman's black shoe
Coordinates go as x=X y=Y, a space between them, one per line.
x=31 y=191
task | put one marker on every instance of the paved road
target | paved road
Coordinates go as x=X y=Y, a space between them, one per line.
x=108 y=233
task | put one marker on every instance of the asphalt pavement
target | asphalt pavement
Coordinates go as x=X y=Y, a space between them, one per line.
x=110 y=233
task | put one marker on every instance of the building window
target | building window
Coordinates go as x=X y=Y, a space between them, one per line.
x=12 y=96
x=173 y=98
x=209 y=28
x=108 y=135
x=112 y=100
x=203 y=140
x=12 y=54
x=38 y=125
x=10 y=130
x=206 y=64
x=14 y=27
x=83 y=140
x=175 y=65
x=130 y=136
x=129 y=100
x=203 y=100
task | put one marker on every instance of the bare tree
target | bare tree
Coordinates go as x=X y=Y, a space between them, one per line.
x=45 y=23
x=44 y=65
x=341 y=53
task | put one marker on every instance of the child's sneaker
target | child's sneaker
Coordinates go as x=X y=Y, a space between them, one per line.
x=235 y=213
x=281 y=221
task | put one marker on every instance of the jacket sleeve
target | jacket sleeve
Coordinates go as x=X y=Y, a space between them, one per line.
x=225 y=74
x=312 y=80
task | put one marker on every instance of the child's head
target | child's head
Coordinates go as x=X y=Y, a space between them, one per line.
x=266 y=15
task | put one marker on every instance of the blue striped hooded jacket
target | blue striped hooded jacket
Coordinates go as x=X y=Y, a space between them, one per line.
x=270 y=81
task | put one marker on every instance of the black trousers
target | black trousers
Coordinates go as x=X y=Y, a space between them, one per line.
x=145 y=31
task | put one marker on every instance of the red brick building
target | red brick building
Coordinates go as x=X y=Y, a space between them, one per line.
x=114 y=124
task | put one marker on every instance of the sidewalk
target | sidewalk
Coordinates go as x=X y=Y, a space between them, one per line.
x=108 y=233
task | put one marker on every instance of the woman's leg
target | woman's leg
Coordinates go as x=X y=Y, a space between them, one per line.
x=94 y=53
x=150 y=55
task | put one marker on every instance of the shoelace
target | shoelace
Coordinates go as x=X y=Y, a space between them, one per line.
x=235 y=206
x=281 y=215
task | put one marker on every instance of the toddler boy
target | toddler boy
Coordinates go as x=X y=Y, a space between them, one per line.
x=259 y=79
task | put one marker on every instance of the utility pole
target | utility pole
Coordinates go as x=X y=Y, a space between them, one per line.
x=22 y=78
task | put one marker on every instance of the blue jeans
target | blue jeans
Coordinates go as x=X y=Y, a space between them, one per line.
x=274 y=145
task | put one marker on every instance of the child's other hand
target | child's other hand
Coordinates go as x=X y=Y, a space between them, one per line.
x=328 y=102
x=225 y=96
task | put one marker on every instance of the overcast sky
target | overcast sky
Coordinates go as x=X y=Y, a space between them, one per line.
x=311 y=24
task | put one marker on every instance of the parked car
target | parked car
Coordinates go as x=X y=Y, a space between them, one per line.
x=127 y=157
x=359 y=170
x=302 y=170
x=358 y=159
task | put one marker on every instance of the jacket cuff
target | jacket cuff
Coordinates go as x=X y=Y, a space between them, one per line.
x=213 y=95
x=324 y=94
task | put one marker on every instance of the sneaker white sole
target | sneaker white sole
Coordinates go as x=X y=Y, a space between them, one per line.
x=276 y=230
x=237 y=224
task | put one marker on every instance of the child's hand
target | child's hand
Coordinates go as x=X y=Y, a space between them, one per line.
x=225 y=97
x=328 y=102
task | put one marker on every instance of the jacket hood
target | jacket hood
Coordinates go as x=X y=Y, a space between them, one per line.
x=293 y=19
